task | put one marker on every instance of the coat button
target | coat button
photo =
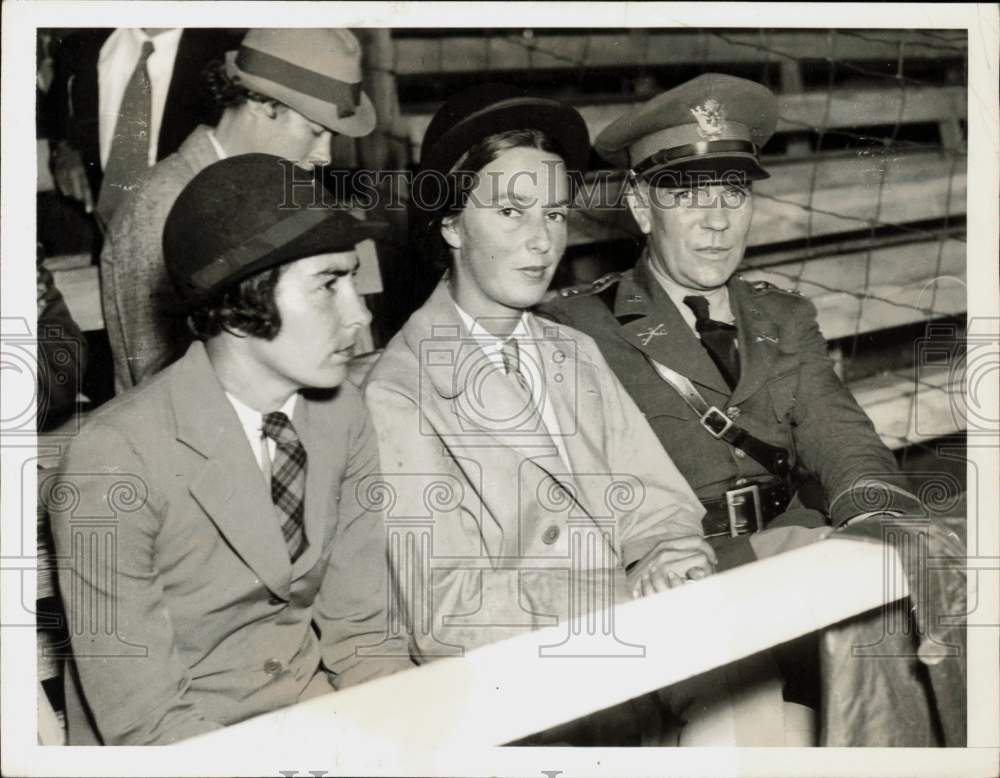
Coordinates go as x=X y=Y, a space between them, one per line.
x=273 y=667
x=551 y=535
x=733 y=412
x=739 y=453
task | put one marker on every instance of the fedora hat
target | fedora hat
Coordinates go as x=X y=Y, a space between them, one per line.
x=475 y=114
x=239 y=217
x=710 y=127
x=316 y=72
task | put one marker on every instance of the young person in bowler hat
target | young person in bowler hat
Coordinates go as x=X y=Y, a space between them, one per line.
x=245 y=572
x=524 y=424
x=750 y=350
x=284 y=92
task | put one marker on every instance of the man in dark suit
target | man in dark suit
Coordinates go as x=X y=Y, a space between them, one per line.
x=87 y=62
x=283 y=92
x=245 y=572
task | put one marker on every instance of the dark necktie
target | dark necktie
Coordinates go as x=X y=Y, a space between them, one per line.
x=288 y=480
x=129 y=154
x=718 y=338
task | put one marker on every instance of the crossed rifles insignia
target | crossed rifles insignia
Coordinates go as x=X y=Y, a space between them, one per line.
x=648 y=335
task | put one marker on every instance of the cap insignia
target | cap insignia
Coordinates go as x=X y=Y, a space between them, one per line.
x=711 y=118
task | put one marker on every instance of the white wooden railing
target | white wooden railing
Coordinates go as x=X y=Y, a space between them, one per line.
x=505 y=691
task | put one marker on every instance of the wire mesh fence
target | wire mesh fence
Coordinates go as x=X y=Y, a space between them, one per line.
x=865 y=210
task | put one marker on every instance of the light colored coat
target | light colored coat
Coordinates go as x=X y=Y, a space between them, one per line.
x=185 y=611
x=134 y=282
x=494 y=533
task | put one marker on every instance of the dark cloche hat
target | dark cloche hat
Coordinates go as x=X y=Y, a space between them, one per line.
x=712 y=125
x=475 y=114
x=240 y=216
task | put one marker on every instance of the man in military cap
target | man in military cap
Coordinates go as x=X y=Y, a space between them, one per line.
x=733 y=376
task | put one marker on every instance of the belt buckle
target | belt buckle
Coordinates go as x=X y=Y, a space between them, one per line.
x=735 y=498
x=715 y=411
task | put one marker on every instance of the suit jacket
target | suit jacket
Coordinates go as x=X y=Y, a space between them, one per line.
x=501 y=532
x=184 y=609
x=72 y=103
x=135 y=287
x=787 y=395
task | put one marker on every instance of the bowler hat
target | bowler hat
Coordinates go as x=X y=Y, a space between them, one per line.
x=473 y=115
x=711 y=126
x=239 y=217
x=316 y=72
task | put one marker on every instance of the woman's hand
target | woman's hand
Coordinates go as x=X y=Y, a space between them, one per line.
x=671 y=563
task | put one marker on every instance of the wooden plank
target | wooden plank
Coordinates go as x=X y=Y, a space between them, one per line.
x=865 y=291
x=536 y=49
x=68 y=261
x=43 y=177
x=804 y=199
x=839 y=108
x=490 y=695
x=907 y=407
x=81 y=289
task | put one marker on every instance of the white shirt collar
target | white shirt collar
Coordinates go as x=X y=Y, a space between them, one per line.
x=718 y=299
x=490 y=343
x=480 y=333
x=252 y=422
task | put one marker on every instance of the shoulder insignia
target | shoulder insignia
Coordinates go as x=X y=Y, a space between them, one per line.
x=594 y=287
x=767 y=286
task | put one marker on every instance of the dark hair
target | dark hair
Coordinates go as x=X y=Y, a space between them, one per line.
x=223 y=92
x=462 y=180
x=247 y=308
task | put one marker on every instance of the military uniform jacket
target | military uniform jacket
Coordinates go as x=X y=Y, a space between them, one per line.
x=787 y=395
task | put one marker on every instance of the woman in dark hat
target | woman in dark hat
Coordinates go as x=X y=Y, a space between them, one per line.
x=512 y=436
x=245 y=568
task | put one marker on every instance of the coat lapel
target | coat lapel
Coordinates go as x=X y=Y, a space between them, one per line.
x=230 y=487
x=652 y=324
x=471 y=395
x=564 y=384
x=758 y=340
x=320 y=468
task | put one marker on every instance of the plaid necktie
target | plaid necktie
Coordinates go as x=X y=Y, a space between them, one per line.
x=129 y=154
x=718 y=338
x=288 y=480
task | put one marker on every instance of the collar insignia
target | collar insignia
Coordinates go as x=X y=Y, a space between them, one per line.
x=648 y=335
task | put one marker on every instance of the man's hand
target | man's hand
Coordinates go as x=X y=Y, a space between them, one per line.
x=670 y=563
x=69 y=174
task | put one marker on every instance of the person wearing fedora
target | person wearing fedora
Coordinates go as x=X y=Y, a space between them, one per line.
x=733 y=376
x=246 y=574
x=513 y=437
x=283 y=92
